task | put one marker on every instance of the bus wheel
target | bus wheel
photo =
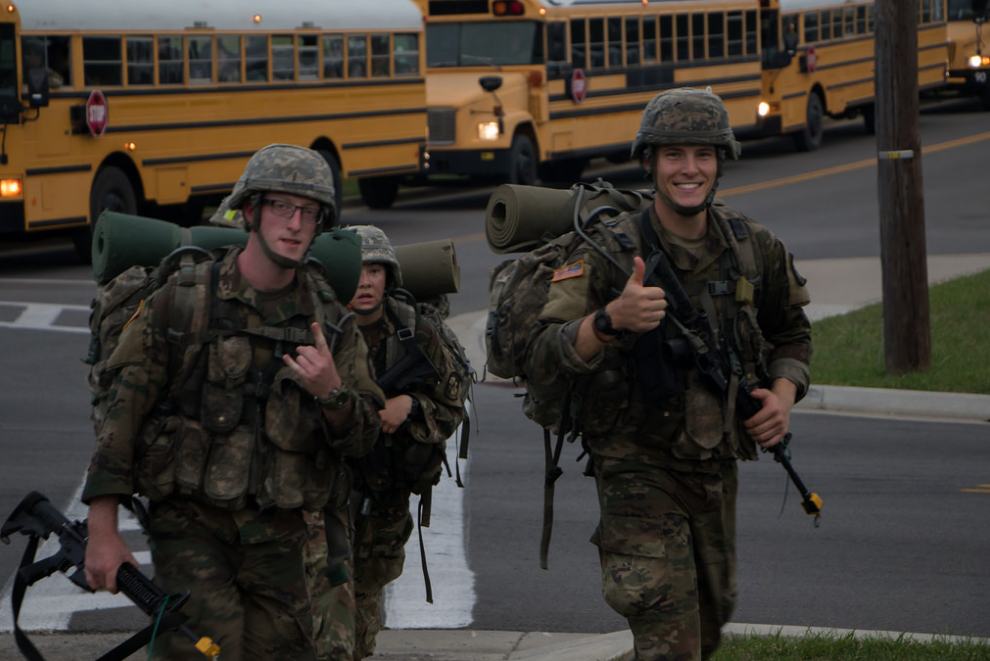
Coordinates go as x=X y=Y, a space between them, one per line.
x=810 y=137
x=522 y=162
x=111 y=191
x=562 y=172
x=870 y=118
x=378 y=192
x=338 y=182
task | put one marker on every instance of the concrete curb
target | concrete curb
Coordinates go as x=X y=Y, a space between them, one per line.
x=901 y=403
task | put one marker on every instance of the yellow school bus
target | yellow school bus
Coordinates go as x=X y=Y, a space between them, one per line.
x=818 y=60
x=131 y=105
x=521 y=90
x=969 y=49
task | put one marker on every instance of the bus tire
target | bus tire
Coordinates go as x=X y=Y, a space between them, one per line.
x=338 y=182
x=810 y=137
x=870 y=118
x=112 y=190
x=522 y=162
x=378 y=192
x=563 y=171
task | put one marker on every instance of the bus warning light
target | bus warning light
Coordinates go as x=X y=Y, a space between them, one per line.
x=10 y=187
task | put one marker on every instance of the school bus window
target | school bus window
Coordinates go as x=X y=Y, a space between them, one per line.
x=826 y=25
x=406 y=54
x=734 y=21
x=810 y=27
x=59 y=71
x=102 y=62
x=716 y=35
x=357 y=56
x=698 y=34
x=229 y=58
x=333 y=56
x=309 y=57
x=596 y=42
x=169 y=60
x=837 y=24
x=141 y=60
x=614 y=27
x=751 y=33
x=579 y=53
x=937 y=10
x=379 y=56
x=850 y=21
x=283 y=57
x=200 y=60
x=649 y=39
x=869 y=17
x=632 y=41
x=666 y=39
x=557 y=41
x=861 y=20
x=683 y=38
x=256 y=58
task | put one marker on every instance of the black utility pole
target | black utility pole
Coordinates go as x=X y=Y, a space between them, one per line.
x=903 y=257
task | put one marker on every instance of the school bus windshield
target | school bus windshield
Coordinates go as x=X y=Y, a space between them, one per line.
x=9 y=106
x=483 y=44
x=961 y=10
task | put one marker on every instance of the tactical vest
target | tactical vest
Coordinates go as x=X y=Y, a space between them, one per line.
x=659 y=365
x=235 y=428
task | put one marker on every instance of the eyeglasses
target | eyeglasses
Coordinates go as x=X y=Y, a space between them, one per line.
x=283 y=209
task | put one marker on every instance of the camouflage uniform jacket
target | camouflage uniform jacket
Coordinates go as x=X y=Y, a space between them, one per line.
x=439 y=400
x=687 y=431
x=149 y=406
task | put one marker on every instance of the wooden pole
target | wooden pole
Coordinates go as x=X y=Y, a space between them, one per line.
x=906 y=318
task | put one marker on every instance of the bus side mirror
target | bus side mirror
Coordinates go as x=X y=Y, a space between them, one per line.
x=37 y=84
x=490 y=83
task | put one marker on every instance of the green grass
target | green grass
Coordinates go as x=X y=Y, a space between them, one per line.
x=849 y=349
x=833 y=647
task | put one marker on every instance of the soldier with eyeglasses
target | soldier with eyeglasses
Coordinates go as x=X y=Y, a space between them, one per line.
x=236 y=431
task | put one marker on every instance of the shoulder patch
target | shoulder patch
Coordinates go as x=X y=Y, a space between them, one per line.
x=135 y=315
x=570 y=271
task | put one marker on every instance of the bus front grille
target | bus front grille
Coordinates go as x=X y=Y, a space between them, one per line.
x=442 y=125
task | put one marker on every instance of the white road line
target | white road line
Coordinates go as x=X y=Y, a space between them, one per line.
x=42 y=316
x=452 y=581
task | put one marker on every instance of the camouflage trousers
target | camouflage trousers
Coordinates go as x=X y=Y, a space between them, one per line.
x=379 y=554
x=667 y=543
x=250 y=598
x=332 y=605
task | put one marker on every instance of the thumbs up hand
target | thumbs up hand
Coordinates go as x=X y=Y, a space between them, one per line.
x=639 y=308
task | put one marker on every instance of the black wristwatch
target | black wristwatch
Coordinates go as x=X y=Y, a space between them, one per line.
x=336 y=400
x=603 y=324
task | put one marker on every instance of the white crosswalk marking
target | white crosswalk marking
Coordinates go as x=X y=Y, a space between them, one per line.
x=42 y=316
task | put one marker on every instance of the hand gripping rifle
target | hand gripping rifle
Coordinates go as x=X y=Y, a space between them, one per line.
x=36 y=517
x=716 y=365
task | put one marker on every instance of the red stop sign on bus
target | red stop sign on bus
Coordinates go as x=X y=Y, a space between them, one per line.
x=97 y=113
x=579 y=85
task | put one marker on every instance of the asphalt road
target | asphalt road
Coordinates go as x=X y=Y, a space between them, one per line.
x=901 y=544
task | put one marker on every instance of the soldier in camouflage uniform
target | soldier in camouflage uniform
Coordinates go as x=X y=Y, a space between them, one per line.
x=417 y=419
x=234 y=435
x=665 y=460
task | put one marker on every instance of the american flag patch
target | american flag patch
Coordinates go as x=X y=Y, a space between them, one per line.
x=569 y=271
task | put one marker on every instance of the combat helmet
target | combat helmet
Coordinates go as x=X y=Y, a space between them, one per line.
x=686 y=116
x=285 y=169
x=377 y=249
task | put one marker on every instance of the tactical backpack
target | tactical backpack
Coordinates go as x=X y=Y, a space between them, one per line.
x=120 y=299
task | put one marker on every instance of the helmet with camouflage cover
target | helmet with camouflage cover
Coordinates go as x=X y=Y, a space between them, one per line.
x=286 y=169
x=377 y=249
x=685 y=116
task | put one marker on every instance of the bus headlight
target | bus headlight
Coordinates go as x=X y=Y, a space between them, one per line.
x=10 y=188
x=763 y=109
x=488 y=131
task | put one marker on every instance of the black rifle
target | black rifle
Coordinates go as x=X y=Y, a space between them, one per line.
x=36 y=517
x=716 y=365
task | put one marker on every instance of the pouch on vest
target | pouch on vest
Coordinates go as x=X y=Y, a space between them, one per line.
x=223 y=396
x=227 y=471
x=192 y=448
x=287 y=424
